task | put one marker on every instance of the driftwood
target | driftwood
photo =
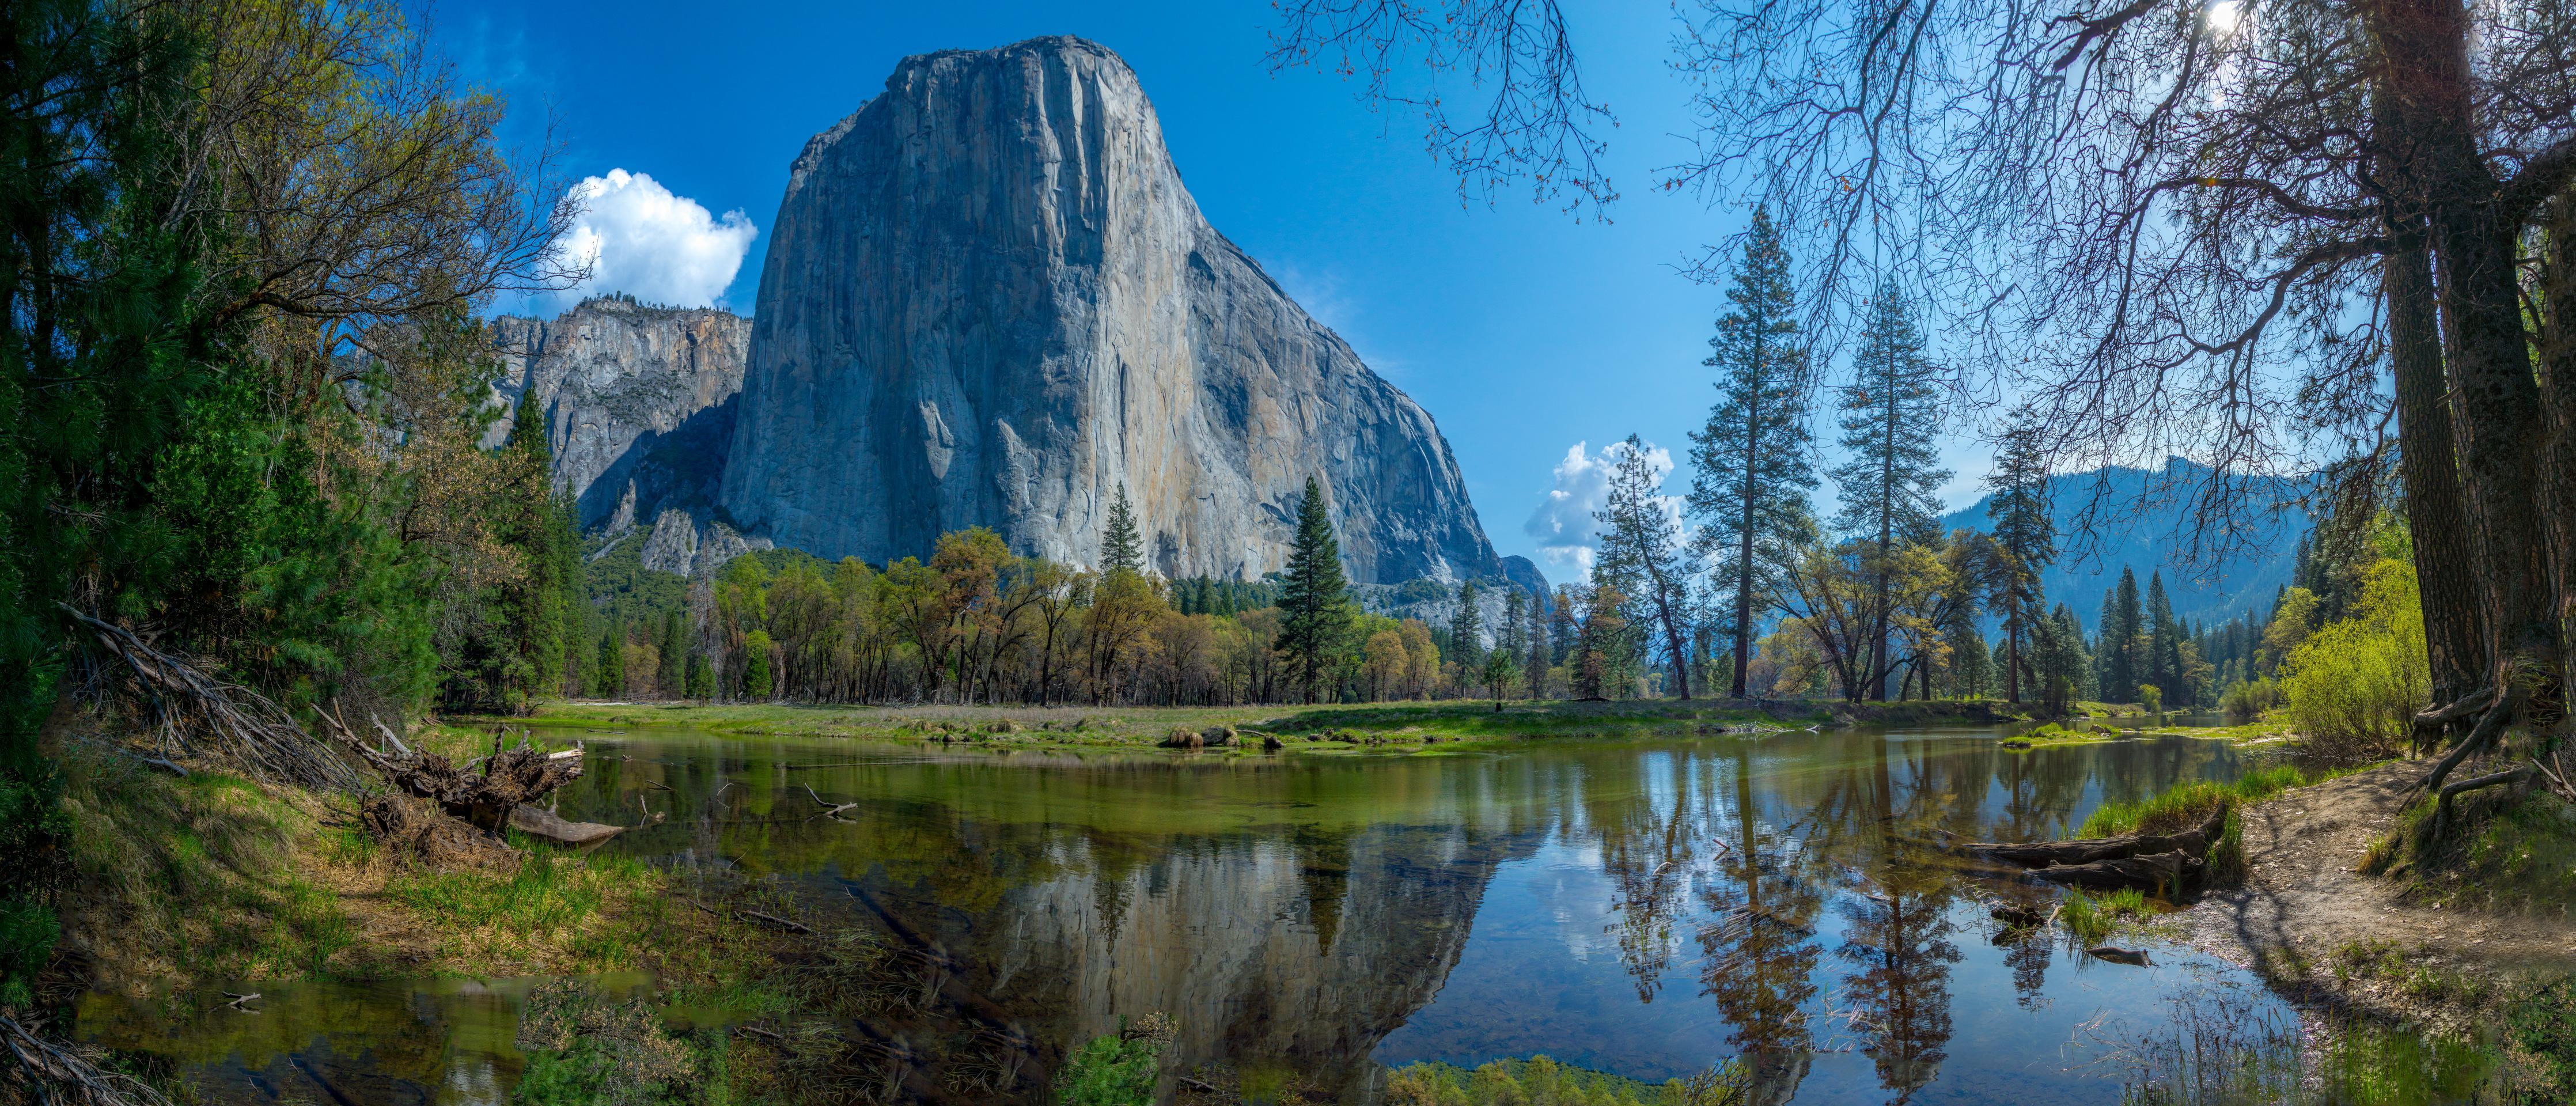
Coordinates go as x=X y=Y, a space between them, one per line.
x=51 y=1071
x=510 y=777
x=537 y=821
x=2162 y=872
x=2194 y=841
x=2119 y=955
x=194 y=713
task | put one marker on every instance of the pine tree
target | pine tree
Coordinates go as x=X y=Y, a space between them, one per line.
x=2121 y=628
x=2025 y=537
x=1891 y=484
x=1314 y=610
x=1120 y=549
x=1643 y=555
x=1467 y=633
x=1534 y=640
x=538 y=609
x=702 y=677
x=1751 y=475
x=674 y=648
x=612 y=663
x=2163 y=661
x=1508 y=639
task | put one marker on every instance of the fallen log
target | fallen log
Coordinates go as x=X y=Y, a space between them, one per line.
x=537 y=821
x=2119 y=955
x=487 y=800
x=2161 y=873
x=2093 y=850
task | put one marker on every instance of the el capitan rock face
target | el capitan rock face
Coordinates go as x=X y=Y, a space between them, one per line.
x=988 y=300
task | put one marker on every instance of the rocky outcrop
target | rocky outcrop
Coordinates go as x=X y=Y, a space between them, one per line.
x=640 y=403
x=988 y=300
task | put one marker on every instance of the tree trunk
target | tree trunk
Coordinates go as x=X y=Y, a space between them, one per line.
x=2425 y=44
x=2445 y=557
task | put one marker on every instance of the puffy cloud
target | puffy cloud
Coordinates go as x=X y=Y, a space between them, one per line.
x=1568 y=535
x=640 y=239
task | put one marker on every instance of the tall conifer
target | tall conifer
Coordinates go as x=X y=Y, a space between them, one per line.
x=1751 y=475
x=1467 y=632
x=1314 y=610
x=1644 y=558
x=2025 y=536
x=1892 y=480
x=1120 y=548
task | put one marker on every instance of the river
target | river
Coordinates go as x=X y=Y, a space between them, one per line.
x=1641 y=907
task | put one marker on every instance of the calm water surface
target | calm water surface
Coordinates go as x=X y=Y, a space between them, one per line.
x=1647 y=908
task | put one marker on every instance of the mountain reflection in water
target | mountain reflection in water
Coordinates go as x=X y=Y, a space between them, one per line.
x=1646 y=908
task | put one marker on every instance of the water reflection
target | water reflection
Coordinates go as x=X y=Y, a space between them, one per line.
x=1648 y=909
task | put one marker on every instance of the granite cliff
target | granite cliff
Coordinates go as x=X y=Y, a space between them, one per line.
x=989 y=300
x=640 y=403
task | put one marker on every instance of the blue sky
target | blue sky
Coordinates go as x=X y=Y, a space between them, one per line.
x=1522 y=330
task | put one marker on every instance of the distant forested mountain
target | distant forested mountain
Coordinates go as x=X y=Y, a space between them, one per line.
x=2142 y=523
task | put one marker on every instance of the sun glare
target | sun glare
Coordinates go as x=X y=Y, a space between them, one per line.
x=2224 y=16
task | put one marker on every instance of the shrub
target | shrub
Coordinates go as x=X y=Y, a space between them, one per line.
x=2246 y=701
x=2354 y=686
x=1118 y=1069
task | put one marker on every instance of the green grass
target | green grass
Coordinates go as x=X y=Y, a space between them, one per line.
x=2189 y=804
x=546 y=900
x=2505 y=852
x=1378 y=728
x=1543 y=1080
x=199 y=879
x=2092 y=918
x=2052 y=734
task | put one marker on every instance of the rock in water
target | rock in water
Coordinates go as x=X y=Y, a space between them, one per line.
x=988 y=300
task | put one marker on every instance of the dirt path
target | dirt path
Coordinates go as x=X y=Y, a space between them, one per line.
x=2303 y=902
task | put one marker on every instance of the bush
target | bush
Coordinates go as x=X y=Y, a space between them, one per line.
x=2355 y=686
x=2543 y=1023
x=2247 y=701
x=1118 y=1069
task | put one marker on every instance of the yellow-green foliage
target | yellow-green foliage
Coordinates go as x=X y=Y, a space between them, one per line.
x=2183 y=807
x=1540 y=1081
x=2354 y=685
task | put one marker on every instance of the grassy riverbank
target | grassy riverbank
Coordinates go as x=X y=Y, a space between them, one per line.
x=187 y=885
x=1341 y=728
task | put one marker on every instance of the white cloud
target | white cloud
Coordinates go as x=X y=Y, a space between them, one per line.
x=660 y=248
x=1568 y=536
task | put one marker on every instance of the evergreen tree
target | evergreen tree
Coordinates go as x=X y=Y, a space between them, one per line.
x=1892 y=481
x=1120 y=548
x=2025 y=536
x=1643 y=556
x=1751 y=475
x=2122 y=627
x=702 y=677
x=1534 y=642
x=674 y=648
x=612 y=663
x=2163 y=642
x=538 y=609
x=1467 y=633
x=1315 y=611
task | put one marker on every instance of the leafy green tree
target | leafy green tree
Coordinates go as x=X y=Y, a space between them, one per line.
x=758 y=682
x=1120 y=548
x=1891 y=481
x=1311 y=596
x=1752 y=475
